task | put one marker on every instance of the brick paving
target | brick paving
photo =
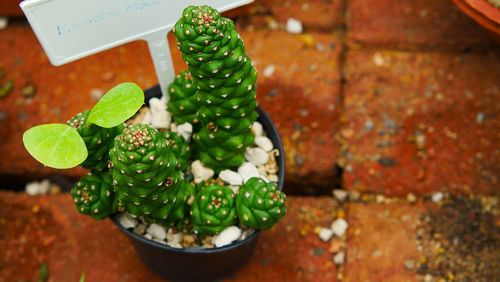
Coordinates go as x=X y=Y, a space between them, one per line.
x=386 y=97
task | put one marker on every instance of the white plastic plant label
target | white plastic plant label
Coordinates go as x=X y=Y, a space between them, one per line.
x=72 y=29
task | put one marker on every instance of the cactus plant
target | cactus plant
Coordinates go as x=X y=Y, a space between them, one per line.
x=213 y=209
x=182 y=149
x=183 y=103
x=147 y=169
x=94 y=195
x=99 y=141
x=174 y=204
x=142 y=167
x=260 y=204
x=225 y=79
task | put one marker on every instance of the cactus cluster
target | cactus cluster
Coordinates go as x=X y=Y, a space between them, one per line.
x=143 y=171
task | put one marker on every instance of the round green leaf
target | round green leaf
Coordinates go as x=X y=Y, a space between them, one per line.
x=118 y=105
x=55 y=145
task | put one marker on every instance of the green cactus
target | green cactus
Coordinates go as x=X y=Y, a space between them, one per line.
x=99 y=141
x=143 y=167
x=259 y=204
x=213 y=209
x=225 y=79
x=174 y=204
x=93 y=195
x=183 y=103
x=182 y=149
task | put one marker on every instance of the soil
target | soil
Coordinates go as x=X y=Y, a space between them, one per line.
x=461 y=241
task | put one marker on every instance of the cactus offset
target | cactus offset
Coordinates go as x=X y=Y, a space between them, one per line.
x=174 y=204
x=143 y=167
x=183 y=103
x=259 y=204
x=93 y=195
x=225 y=79
x=182 y=149
x=213 y=209
x=98 y=140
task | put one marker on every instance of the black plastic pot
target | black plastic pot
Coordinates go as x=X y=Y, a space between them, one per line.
x=195 y=263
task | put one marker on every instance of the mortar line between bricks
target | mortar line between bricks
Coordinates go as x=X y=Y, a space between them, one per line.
x=421 y=49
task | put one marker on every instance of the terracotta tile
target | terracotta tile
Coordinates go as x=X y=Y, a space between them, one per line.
x=379 y=241
x=422 y=122
x=429 y=24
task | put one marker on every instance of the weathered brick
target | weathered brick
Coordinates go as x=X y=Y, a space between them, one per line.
x=284 y=254
x=315 y=15
x=380 y=239
x=61 y=92
x=434 y=24
x=48 y=229
x=422 y=122
x=302 y=98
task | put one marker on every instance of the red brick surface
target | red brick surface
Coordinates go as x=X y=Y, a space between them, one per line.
x=435 y=125
x=302 y=98
x=324 y=15
x=435 y=24
x=380 y=239
x=48 y=229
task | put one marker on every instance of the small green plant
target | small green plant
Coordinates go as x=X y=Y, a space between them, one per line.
x=142 y=171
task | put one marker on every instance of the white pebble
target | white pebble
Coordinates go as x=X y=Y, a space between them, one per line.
x=293 y=26
x=186 y=130
x=264 y=143
x=4 y=22
x=247 y=232
x=437 y=197
x=175 y=245
x=96 y=94
x=160 y=117
x=339 y=227
x=269 y=70
x=200 y=172
x=273 y=178
x=257 y=156
x=231 y=177
x=248 y=170
x=173 y=127
x=146 y=119
x=257 y=129
x=227 y=236
x=340 y=195
x=127 y=221
x=38 y=188
x=157 y=231
x=378 y=60
x=339 y=258
x=235 y=188
x=325 y=234
x=148 y=236
x=140 y=228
